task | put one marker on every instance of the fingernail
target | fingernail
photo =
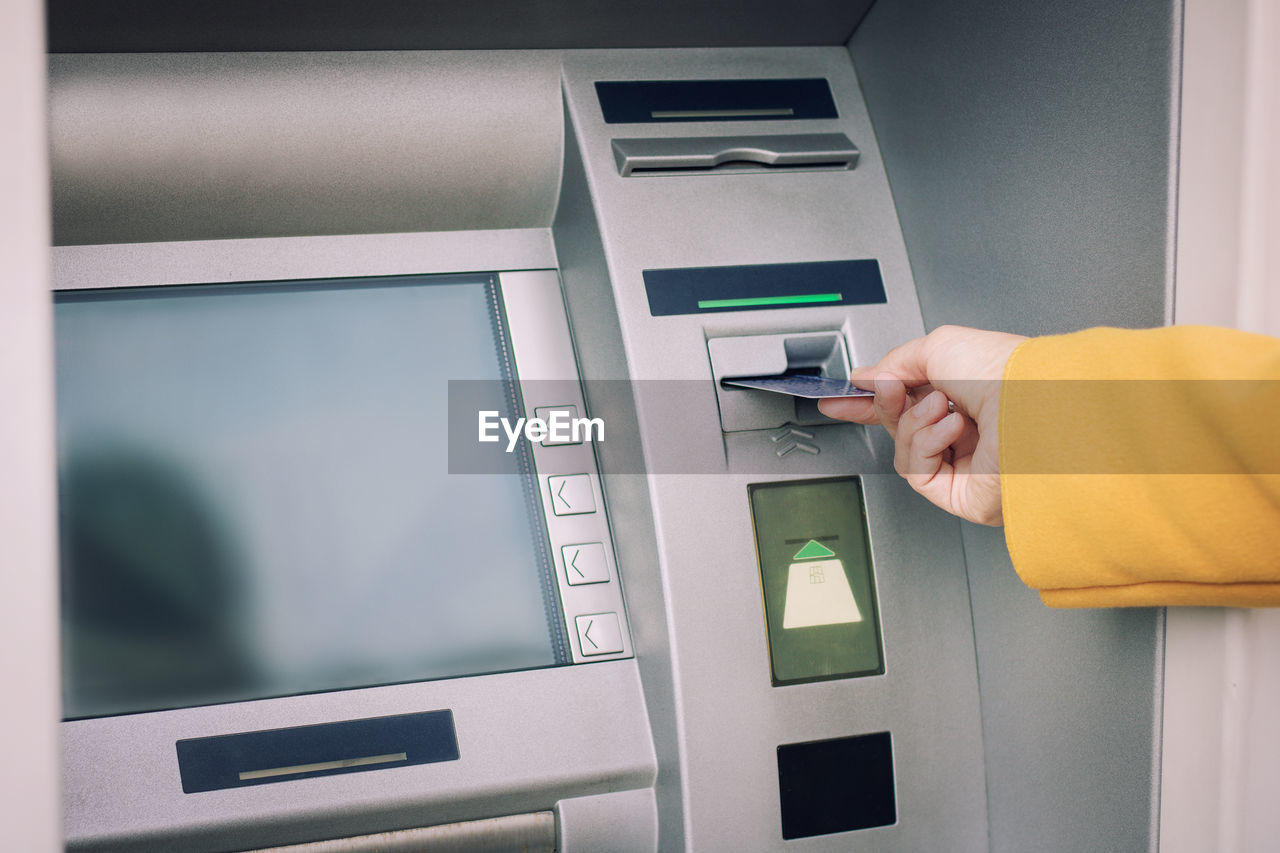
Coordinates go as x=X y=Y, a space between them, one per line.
x=945 y=424
x=930 y=404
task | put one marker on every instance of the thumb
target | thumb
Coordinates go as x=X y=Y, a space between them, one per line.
x=965 y=364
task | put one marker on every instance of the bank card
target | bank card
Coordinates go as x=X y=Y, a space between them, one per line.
x=800 y=385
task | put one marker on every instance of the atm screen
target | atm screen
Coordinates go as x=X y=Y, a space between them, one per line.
x=255 y=498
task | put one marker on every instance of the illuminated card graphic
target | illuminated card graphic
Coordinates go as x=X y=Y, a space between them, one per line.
x=819 y=605
x=818 y=590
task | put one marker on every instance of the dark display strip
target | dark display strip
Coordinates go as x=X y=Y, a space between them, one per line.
x=836 y=785
x=302 y=752
x=639 y=101
x=705 y=290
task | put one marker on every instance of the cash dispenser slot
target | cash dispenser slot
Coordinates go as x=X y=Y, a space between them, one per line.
x=720 y=154
x=803 y=354
x=302 y=752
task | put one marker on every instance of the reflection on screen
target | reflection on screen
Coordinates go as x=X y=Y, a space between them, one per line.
x=255 y=499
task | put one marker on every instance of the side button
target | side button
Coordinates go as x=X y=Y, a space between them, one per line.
x=571 y=495
x=599 y=634
x=563 y=425
x=585 y=563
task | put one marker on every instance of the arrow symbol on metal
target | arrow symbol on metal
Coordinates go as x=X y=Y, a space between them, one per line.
x=789 y=433
x=573 y=564
x=562 y=498
x=586 y=635
x=788 y=439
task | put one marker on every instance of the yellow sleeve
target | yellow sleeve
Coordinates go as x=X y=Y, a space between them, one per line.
x=1142 y=468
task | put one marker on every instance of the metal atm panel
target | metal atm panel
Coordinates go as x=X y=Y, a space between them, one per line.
x=719 y=757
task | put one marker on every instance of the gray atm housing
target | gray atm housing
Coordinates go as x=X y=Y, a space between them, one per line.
x=999 y=180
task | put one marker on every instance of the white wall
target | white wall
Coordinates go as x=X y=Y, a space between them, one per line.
x=1251 y=759
x=1221 y=756
x=29 y=806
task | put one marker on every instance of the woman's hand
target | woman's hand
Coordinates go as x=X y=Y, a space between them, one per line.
x=939 y=398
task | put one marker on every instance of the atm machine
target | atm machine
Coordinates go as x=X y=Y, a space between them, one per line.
x=404 y=500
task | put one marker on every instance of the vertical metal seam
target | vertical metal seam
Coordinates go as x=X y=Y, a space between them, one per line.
x=538 y=532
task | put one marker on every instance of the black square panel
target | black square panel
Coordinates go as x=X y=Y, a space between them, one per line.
x=836 y=785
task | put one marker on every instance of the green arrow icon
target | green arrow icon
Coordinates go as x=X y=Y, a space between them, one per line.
x=812 y=550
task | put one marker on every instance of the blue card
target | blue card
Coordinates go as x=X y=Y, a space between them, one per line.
x=800 y=385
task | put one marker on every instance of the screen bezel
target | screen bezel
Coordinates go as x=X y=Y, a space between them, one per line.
x=121 y=780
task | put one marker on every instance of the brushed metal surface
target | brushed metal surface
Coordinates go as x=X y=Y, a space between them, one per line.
x=532 y=833
x=1030 y=147
x=717 y=780
x=173 y=147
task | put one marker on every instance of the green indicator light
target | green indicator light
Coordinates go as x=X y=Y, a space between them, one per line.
x=813 y=549
x=751 y=301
